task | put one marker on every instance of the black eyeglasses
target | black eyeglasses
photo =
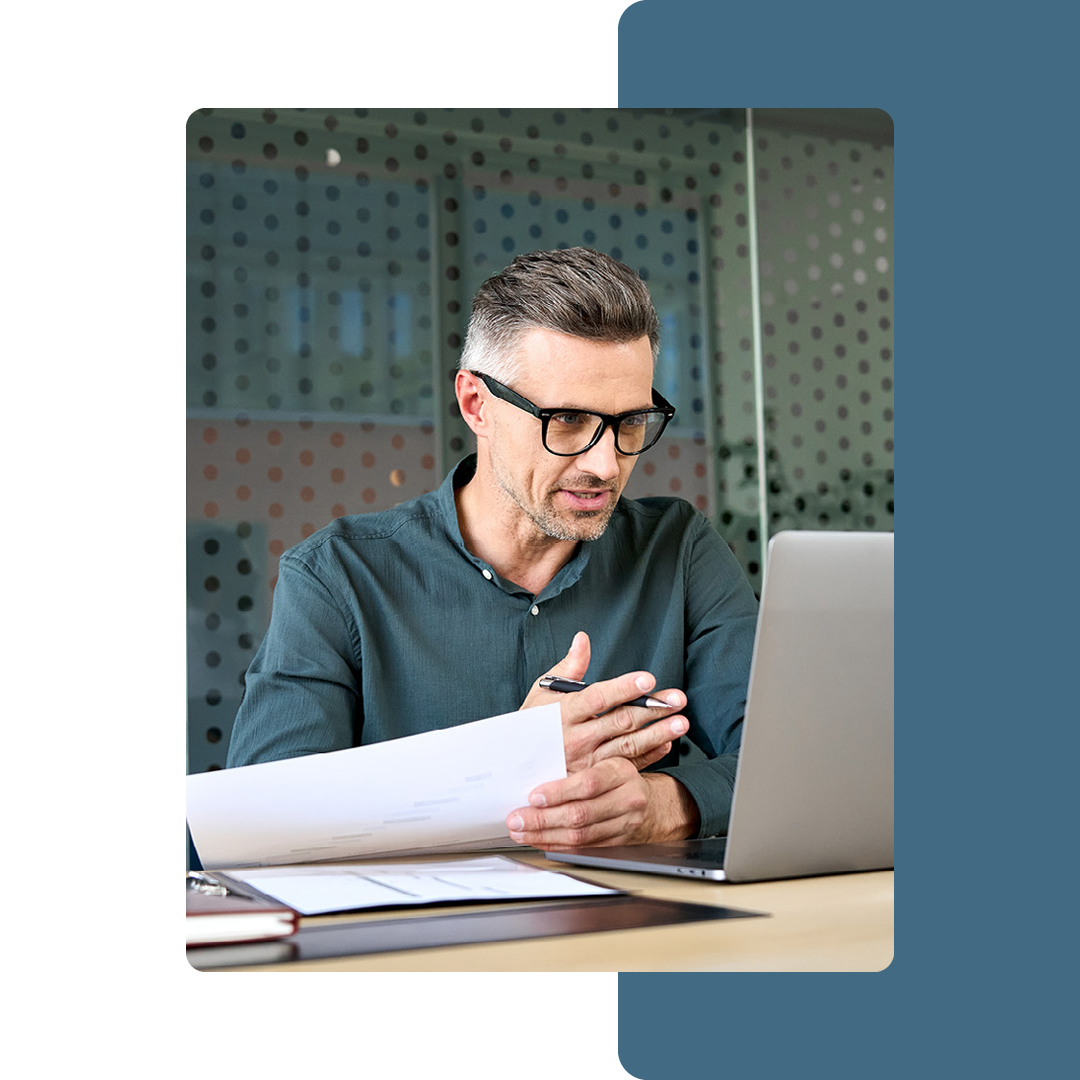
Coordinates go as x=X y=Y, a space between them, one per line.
x=569 y=432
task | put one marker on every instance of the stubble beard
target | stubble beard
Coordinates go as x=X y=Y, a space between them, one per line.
x=584 y=524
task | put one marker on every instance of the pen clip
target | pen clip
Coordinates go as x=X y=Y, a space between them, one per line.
x=548 y=680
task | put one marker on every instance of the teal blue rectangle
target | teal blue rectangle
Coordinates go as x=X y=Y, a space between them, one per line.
x=985 y=375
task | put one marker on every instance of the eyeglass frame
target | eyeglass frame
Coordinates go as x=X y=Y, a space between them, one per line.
x=504 y=393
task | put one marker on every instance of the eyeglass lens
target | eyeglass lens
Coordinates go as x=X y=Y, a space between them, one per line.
x=571 y=432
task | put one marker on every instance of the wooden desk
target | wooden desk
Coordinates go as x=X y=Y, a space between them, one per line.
x=841 y=922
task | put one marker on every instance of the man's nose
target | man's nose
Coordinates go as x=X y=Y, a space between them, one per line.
x=602 y=460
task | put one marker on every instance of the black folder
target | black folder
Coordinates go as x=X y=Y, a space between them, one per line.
x=534 y=921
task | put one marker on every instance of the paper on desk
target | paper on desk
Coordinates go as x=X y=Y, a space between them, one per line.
x=316 y=890
x=450 y=788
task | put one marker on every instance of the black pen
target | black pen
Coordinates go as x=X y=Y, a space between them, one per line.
x=572 y=686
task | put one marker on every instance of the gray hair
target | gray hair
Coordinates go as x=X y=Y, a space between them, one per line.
x=573 y=291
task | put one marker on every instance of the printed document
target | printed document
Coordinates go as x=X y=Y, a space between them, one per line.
x=316 y=890
x=447 y=790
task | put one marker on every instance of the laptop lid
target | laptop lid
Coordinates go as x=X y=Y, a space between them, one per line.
x=814 y=787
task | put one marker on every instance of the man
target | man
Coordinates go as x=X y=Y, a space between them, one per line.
x=452 y=606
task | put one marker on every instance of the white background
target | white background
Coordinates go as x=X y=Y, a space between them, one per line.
x=94 y=161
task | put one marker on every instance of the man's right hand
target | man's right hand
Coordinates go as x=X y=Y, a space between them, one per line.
x=597 y=722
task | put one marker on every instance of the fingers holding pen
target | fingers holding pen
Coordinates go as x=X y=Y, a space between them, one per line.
x=635 y=687
x=620 y=717
x=598 y=723
x=566 y=677
x=641 y=746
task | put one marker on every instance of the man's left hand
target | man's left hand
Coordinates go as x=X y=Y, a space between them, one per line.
x=607 y=803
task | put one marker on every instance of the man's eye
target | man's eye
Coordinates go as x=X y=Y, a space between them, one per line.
x=635 y=420
x=569 y=419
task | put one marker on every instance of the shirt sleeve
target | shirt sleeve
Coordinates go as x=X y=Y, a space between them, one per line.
x=721 y=617
x=302 y=690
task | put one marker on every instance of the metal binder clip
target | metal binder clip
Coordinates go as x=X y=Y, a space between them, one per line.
x=204 y=884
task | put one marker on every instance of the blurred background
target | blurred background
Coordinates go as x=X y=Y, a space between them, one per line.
x=332 y=256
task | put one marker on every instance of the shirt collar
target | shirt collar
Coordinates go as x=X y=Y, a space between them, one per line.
x=459 y=476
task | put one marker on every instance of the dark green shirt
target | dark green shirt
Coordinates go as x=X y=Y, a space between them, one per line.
x=384 y=625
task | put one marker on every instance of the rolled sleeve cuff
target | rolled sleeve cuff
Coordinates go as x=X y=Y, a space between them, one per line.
x=711 y=785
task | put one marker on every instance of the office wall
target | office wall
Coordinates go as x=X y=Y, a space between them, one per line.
x=332 y=256
x=826 y=257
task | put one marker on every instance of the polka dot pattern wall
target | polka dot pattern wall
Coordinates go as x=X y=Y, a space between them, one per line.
x=825 y=249
x=332 y=258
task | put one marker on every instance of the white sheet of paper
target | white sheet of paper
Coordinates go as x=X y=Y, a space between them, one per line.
x=450 y=788
x=315 y=890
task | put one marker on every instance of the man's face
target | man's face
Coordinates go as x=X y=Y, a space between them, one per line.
x=569 y=498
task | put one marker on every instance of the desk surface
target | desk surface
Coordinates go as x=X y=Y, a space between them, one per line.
x=840 y=922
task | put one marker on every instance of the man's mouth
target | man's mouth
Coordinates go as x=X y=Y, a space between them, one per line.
x=586 y=498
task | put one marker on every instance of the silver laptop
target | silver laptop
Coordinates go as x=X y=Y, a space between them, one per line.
x=814 y=787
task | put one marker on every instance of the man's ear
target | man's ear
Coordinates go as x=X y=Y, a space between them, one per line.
x=472 y=401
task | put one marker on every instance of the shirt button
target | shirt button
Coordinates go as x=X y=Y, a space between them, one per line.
x=487 y=574
x=535 y=611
